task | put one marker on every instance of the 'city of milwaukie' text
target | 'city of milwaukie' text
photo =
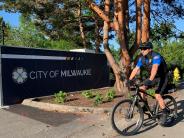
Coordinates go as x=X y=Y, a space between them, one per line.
x=59 y=73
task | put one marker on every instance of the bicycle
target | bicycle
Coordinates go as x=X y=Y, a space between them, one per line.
x=128 y=116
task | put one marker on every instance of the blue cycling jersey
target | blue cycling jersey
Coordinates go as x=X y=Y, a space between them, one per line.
x=151 y=59
x=157 y=59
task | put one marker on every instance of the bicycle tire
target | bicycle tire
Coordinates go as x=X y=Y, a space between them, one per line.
x=172 y=106
x=115 y=112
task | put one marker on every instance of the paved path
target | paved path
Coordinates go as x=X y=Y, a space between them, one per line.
x=20 y=121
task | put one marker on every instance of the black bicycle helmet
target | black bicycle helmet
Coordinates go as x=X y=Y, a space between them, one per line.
x=146 y=45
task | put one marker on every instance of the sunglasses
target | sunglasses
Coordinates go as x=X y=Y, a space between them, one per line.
x=143 y=48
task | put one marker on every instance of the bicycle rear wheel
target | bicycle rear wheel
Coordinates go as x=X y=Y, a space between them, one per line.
x=171 y=105
x=126 y=119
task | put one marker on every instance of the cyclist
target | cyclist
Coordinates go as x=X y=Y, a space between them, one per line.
x=155 y=64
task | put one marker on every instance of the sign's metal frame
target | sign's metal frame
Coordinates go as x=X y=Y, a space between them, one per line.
x=1 y=90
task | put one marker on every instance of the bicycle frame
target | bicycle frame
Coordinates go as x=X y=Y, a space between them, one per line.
x=135 y=100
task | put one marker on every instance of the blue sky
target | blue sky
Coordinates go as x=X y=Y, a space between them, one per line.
x=180 y=24
x=12 y=18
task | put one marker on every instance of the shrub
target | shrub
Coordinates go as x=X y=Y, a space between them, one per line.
x=98 y=99
x=151 y=92
x=60 y=97
x=110 y=95
x=88 y=94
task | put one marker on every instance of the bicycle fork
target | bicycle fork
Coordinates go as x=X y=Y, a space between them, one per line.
x=131 y=109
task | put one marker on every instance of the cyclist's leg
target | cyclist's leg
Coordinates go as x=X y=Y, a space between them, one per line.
x=144 y=88
x=158 y=96
x=159 y=92
x=160 y=100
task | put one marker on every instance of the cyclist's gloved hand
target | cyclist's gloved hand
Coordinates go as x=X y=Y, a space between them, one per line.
x=130 y=82
x=148 y=83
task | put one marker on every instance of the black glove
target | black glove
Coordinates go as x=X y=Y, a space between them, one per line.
x=148 y=83
x=130 y=82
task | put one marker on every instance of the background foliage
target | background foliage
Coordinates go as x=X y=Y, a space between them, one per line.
x=55 y=25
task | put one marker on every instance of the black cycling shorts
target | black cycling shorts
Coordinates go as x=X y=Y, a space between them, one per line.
x=162 y=84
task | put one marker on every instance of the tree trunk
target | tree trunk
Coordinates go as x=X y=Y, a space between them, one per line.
x=138 y=27
x=138 y=23
x=146 y=21
x=97 y=36
x=100 y=13
x=81 y=26
x=119 y=22
x=126 y=28
x=119 y=28
x=116 y=69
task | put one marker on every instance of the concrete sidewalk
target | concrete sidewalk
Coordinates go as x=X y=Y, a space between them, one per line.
x=20 y=121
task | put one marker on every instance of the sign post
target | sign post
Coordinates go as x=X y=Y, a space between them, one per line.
x=1 y=92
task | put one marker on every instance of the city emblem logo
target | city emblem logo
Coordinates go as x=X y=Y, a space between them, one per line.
x=19 y=75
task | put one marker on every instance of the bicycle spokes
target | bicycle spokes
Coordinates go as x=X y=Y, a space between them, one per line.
x=127 y=117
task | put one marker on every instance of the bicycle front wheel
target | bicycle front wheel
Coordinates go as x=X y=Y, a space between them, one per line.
x=127 y=119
